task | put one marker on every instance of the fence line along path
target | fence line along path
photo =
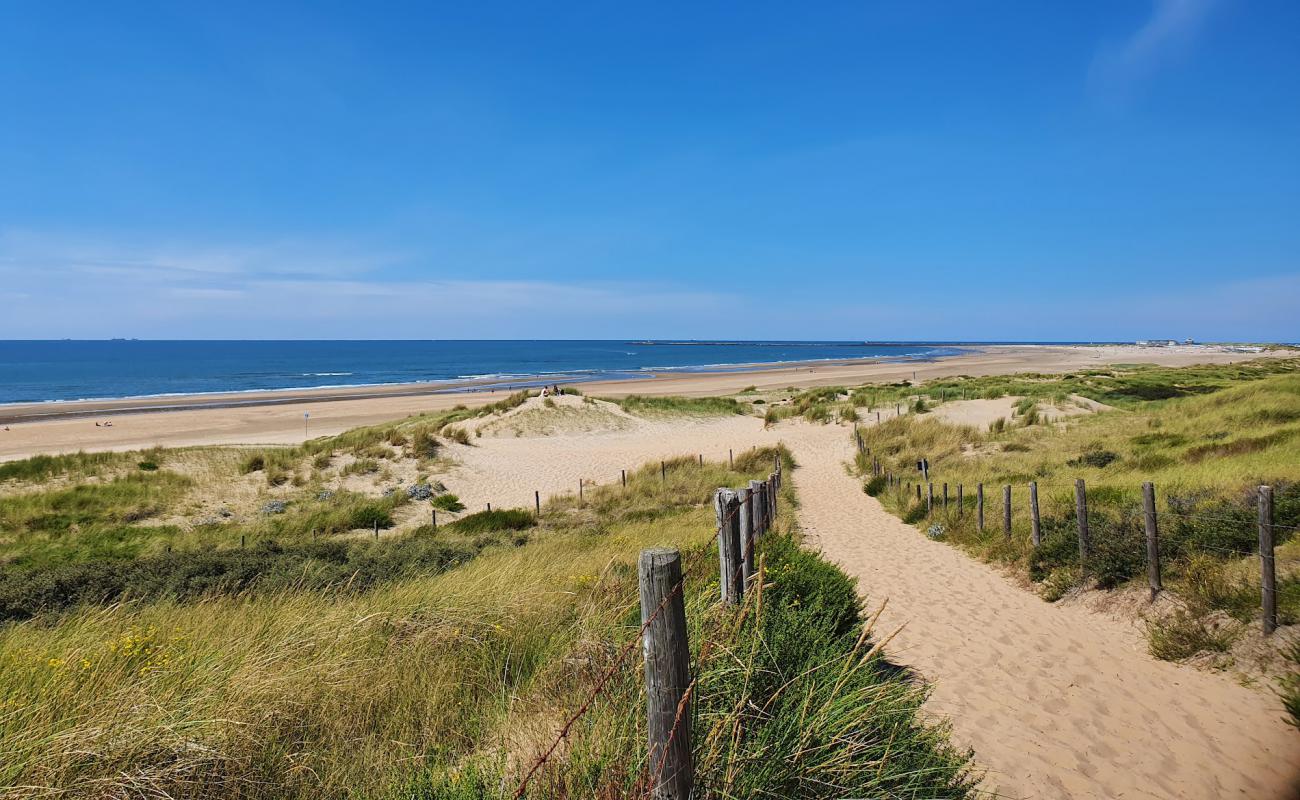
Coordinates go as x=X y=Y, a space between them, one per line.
x=1057 y=701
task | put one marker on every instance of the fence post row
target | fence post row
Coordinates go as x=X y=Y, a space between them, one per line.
x=667 y=674
x=727 y=507
x=1153 y=542
x=1268 y=575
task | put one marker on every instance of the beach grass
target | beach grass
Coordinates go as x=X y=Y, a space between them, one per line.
x=438 y=664
x=1205 y=445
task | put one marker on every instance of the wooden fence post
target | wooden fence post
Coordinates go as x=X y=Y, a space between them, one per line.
x=1153 y=537
x=747 y=531
x=727 y=508
x=945 y=498
x=663 y=472
x=667 y=674
x=1035 y=522
x=1006 y=511
x=961 y=502
x=759 y=507
x=1267 y=567
x=241 y=541
x=489 y=507
x=376 y=529
x=1081 y=513
x=918 y=493
x=579 y=491
x=623 y=476
x=537 y=502
x=433 y=514
x=771 y=496
x=979 y=505
x=731 y=459
x=929 y=499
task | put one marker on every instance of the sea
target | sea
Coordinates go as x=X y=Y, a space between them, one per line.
x=42 y=371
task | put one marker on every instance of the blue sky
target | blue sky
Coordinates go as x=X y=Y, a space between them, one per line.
x=903 y=170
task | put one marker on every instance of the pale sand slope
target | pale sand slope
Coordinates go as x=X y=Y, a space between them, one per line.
x=283 y=424
x=1057 y=702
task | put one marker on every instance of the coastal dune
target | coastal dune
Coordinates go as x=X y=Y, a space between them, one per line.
x=1056 y=700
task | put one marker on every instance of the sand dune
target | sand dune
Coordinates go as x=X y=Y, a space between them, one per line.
x=1057 y=702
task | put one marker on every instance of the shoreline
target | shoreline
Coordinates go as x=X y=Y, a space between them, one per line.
x=51 y=410
x=280 y=417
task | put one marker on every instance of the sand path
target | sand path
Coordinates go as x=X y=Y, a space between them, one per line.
x=1058 y=702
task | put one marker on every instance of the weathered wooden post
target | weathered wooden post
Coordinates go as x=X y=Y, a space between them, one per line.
x=747 y=532
x=663 y=472
x=1267 y=567
x=979 y=504
x=537 y=502
x=433 y=517
x=376 y=529
x=961 y=502
x=1006 y=511
x=771 y=491
x=241 y=541
x=918 y=493
x=579 y=491
x=489 y=507
x=622 y=473
x=1153 y=540
x=759 y=507
x=1035 y=522
x=1081 y=513
x=731 y=459
x=701 y=459
x=945 y=498
x=929 y=499
x=667 y=674
x=727 y=508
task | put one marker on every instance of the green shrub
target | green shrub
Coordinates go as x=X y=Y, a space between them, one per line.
x=509 y=519
x=1184 y=633
x=447 y=502
x=875 y=486
x=148 y=466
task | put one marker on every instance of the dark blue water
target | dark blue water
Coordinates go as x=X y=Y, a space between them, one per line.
x=32 y=371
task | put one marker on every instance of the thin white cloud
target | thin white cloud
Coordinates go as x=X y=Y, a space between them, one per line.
x=1121 y=68
x=81 y=291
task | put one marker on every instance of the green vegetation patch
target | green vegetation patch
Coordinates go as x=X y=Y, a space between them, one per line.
x=643 y=405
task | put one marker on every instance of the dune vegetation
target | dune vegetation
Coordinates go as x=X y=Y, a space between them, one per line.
x=1206 y=437
x=289 y=652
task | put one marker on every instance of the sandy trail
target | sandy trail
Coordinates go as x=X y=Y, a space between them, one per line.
x=1056 y=701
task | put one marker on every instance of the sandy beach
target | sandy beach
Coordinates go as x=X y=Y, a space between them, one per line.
x=278 y=417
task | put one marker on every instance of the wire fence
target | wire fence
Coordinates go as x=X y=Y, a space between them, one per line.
x=743 y=515
x=998 y=508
